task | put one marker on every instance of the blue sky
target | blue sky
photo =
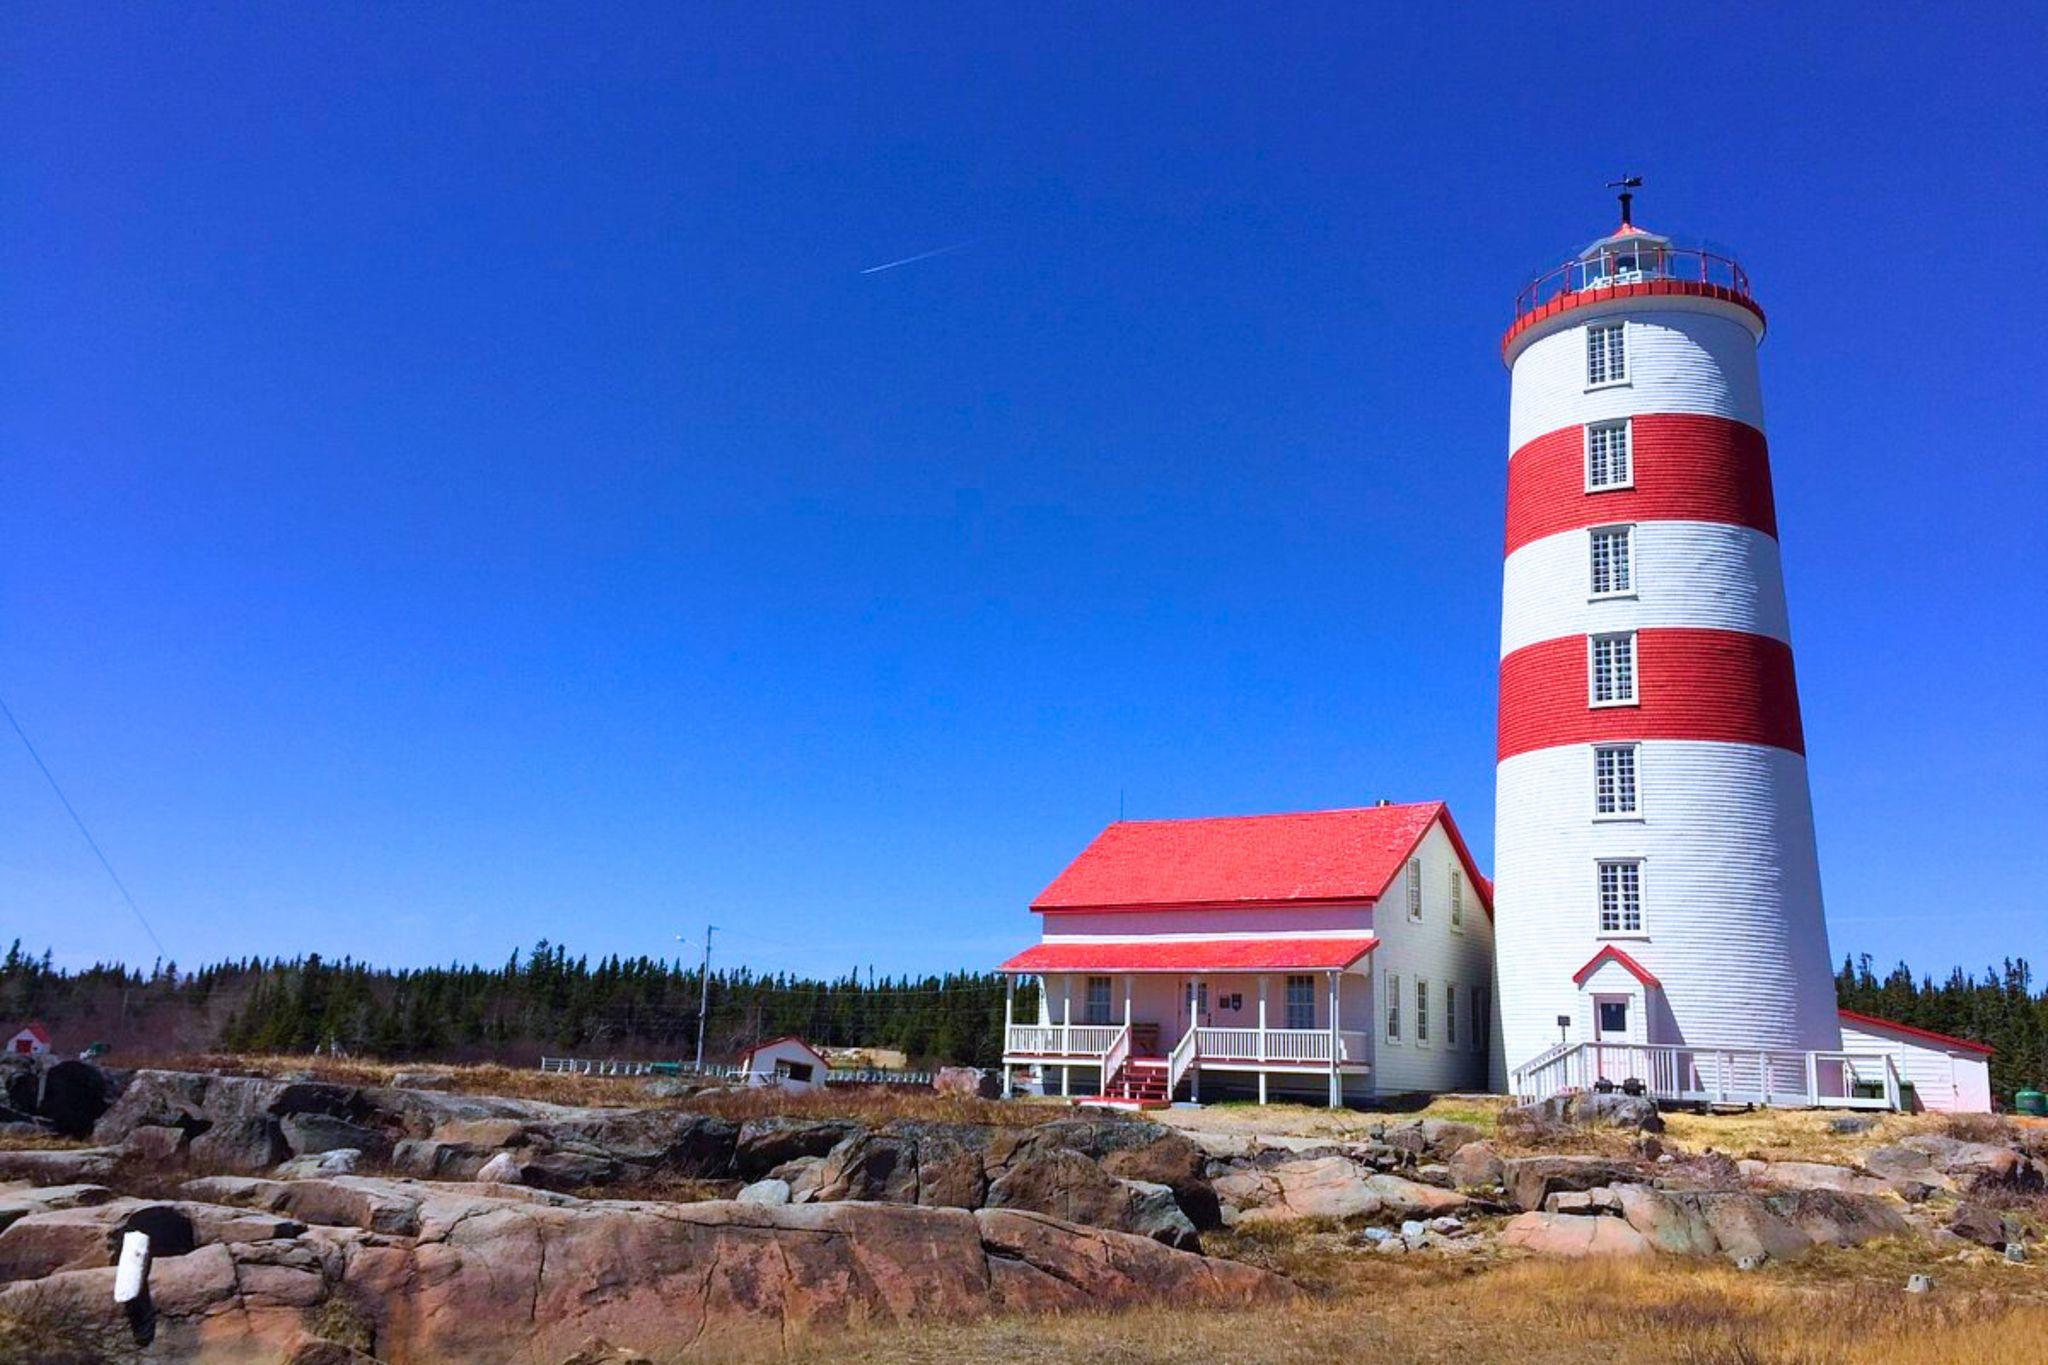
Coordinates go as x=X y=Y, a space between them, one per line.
x=460 y=487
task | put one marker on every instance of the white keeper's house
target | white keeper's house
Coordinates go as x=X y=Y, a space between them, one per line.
x=1332 y=955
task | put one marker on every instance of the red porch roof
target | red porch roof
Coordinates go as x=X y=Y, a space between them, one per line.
x=1196 y=955
x=1613 y=954
x=1325 y=856
x=1912 y=1031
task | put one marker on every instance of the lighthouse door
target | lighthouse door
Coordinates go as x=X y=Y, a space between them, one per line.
x=1610 y=1026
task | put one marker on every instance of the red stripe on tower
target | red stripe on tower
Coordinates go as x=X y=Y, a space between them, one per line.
x=1686 y=467
x=1720 y=685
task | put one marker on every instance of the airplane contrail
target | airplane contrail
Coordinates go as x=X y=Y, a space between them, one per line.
x=920 y=256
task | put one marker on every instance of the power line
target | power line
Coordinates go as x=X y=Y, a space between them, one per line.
x=91 y=842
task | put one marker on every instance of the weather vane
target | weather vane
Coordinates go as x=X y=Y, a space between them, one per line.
x=1627 y=184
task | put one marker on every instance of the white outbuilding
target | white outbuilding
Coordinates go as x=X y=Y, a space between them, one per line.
x=33 y=1040
x=1948 y=1074
x=789 y=1062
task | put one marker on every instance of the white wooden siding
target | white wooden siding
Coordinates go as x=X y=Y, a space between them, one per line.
x=1679 y=360
x=1733 y=924
x=1948 y=1080
x=1433 y=952
x=1685 y=573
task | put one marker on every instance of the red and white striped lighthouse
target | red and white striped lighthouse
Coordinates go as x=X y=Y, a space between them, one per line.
x=1657 y=880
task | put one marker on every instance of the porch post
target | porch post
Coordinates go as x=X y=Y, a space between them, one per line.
x=1129 y=981
x=1195 y=1023
x=1009 y=1017
x=1336 y=1048
x=1066 y=1019
x=1263 y=978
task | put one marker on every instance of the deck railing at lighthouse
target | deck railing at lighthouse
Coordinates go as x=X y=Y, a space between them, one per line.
x=1621 y=264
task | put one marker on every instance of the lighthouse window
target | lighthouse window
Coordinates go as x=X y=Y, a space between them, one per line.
x=1621 y=898
x=1607 y=457
x=1613 y=561
x=1614 y=670
x=1606 y=355
x=1614 y=779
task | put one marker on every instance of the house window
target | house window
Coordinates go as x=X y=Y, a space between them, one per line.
x=1421 y=1011
x=1614 y=1018
x=1607 y=457
x=1457 y=899
x=1098 y=1000
x=1301 y=1002
x=1613 y=560
x=1450 y=1016
x=1393 y=1008
x=1415 y=890
x=1621 y=897
x=1606 y=355
x=1614 y=779
x=1612 y=659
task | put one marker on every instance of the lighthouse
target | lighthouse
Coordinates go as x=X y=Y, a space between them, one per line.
x=1657 y=878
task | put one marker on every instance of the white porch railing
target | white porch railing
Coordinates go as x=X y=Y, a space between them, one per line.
x=1716 y=1075
x=1078 y=1041
x=1113 y=1060
x=1180 y=1059
x=1284 y=1046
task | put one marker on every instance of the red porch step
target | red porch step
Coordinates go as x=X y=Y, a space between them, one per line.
x=1140 y=1081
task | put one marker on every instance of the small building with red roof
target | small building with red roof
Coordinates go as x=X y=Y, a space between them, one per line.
x=788 y=1061
x=31 y=1040
x=1339 y=953
x=1947 y=1074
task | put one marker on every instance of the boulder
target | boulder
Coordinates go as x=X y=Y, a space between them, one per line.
x=1746 y=1227
x=74 y=1095
x=967 y=1080
x=1565 y=1234
x=1583 y=1109
x=765 y=1143
x=1811 y=1175
x=1838 y=1218
x=1065 y=1185
x=869 y=1167
x=769 y=1191
x=75 y=1166
x=251 y=1143
x=1592 y=1203
x=340 y=1161
x=18 y=1203
x=1476 y=1164
x=1133 y=1149
x=1530 y=1180
x=155 y=1144
x=1320 y=1187
x=1402 y=1198
x=1985 y=1226
x=1668 y=1223
x=312 y=1134
x=568 y=1171
x=502 y=1169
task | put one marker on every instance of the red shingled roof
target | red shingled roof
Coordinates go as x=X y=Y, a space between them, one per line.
x=1913 y=1031
x=1311 y=856
x=1196 y=955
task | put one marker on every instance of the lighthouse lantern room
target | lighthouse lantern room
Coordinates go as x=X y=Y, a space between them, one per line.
x=1658 y=889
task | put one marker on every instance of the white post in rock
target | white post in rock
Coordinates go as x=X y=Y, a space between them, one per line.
x=131 y=1277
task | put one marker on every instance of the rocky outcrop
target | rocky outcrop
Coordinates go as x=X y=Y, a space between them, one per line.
x=1744 y=1226
x=1567 y=1234
x=1329 y=1187
x=1583 y=1109
x=1952 y=1164
x=1529 y=1180
x=490 y=1275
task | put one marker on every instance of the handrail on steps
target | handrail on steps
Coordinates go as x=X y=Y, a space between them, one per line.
x=1181 y=1058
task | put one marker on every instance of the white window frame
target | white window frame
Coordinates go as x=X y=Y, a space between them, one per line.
x=1421 y=1012
x=1457 y=900
x=1415 y=890
x=1089 y=1013
x=1288 y=1003
x=1641 y=928
x=1628 y=452
x=1633 y=813
x=1596 y=333
x=1392 y=1013
x=1450 y=1016
x=1627 y=531
x=1635 y=690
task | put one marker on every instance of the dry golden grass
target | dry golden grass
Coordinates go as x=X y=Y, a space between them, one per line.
x=38 y=1142
x=1535 y=1313
x=526 y=1083
x=872 y=1105
x=1314 y=1121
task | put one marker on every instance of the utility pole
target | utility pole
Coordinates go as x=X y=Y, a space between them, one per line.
x=704 y=997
